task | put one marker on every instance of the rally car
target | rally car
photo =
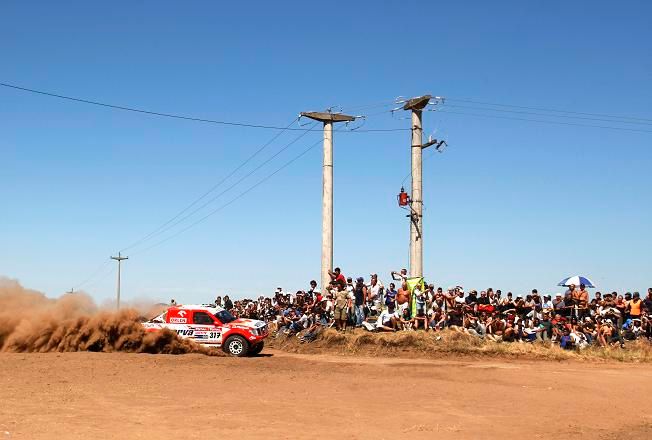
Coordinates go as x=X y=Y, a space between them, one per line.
x=213 y=326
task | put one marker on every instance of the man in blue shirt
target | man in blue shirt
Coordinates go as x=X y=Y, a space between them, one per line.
x=390 y=295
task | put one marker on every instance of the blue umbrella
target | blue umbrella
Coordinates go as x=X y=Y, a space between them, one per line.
x=576 y=280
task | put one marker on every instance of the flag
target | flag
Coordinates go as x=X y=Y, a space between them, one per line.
x=412 y=283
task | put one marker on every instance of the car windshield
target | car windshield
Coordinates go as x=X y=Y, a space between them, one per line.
x=224 y=316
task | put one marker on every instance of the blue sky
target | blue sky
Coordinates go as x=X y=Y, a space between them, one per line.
x=511 y=204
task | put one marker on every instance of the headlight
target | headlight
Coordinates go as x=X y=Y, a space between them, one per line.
x=254 y=331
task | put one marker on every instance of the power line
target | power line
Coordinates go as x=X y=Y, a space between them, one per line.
x=471 y=101
x=544 y=122
x=102 y=277
x=210 y=190
x=432 y=153
x=93 y=274
x=546 y=114
x=212 y=199
x=242 y=194
x=177 y=116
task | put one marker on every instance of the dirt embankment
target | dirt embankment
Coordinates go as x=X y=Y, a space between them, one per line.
x=31 y=322
x=420 y=344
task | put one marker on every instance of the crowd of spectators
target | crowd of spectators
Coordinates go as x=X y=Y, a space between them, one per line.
x=570 y=319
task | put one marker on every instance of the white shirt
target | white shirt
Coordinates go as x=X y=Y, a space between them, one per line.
x=385 y=316
x=375 y=294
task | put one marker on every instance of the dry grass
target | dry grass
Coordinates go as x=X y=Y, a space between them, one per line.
x=451 y=343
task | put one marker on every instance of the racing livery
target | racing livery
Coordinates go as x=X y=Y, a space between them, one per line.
x=213 y=327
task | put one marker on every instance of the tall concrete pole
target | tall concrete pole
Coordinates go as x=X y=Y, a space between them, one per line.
x=416 y=225
x=327 y=190
x=416 y=105
x=119 y=259
x=327 y=206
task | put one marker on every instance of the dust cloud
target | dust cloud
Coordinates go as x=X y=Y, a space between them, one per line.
x=31 y=322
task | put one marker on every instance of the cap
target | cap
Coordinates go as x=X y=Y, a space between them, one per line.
x=359 y=279
x=558 y=294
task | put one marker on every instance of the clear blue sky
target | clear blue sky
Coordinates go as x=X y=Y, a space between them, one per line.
x=511 y=204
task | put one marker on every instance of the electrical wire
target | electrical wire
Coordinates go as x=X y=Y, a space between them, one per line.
x=242 y=194
x=226 y=190
x=545 y=122
x=370 y=106
x=472 y=101
x=426 y=157
x=104 y=276
x=93 y=274
x=546 y=114
x=177 y=116
x=210 y=190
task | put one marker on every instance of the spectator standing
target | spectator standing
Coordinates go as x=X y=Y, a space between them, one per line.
x=228 y=304
x=360 y=297
x=558 y=304
x=375 y=291
x=635 y=307
x=337 y=277
x=399 y=276
x=390 y=295
x=341 y=306
x=403 y=298
x=581 y=301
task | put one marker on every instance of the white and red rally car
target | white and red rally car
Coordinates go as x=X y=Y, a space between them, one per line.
x=213 y=327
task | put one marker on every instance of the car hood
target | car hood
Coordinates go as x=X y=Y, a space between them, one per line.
x=245 y=323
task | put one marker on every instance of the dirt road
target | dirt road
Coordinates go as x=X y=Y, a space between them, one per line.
x=136 y=396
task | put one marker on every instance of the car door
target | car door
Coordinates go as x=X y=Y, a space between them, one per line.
x=206 y=329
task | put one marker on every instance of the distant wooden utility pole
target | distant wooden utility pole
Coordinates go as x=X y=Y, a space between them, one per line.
x=119 y=259
x=327 y=190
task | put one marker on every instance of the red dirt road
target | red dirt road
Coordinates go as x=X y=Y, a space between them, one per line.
x=135 y=396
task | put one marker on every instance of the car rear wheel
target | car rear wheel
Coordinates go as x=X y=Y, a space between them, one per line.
x=236 y=345
x=256 y=349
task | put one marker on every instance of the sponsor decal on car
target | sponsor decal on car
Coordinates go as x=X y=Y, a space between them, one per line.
x=185 y=332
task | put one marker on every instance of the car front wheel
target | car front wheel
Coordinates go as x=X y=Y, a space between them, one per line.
x=256 y=349
x=236 y=346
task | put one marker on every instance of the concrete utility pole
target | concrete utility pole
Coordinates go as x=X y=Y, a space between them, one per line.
x=416 y=106
x=119 y=259
x=327 y=190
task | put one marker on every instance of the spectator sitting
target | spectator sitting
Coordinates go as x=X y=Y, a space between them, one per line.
x=388 y=320
x=566 y=341
x=420 y=319
x=438 y=319
x=406 y=319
